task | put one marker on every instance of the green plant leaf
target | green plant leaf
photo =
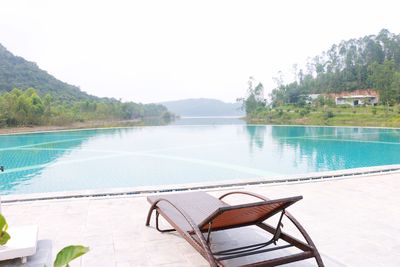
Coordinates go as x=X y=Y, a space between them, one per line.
x=3 y=223
x=67 y=254
x=4 y=236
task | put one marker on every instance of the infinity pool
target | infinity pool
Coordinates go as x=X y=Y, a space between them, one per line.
x=146 y=156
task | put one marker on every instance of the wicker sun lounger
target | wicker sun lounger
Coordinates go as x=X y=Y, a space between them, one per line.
x=196 y=215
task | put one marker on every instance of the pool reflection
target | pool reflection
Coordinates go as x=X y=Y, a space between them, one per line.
x=332 y=148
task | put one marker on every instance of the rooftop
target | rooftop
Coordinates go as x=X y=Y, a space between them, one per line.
x=353 y=221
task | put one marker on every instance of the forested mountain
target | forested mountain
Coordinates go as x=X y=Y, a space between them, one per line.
x=203 y=107
x=16 y=72
x=372 y=61
x=31 y=96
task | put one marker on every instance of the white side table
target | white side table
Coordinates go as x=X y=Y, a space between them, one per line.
x=22 y=244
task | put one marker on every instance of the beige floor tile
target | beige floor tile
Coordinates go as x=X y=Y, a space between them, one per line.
x=352 y=221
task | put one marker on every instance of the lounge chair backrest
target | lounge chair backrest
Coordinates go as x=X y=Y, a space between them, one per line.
x=246 y=214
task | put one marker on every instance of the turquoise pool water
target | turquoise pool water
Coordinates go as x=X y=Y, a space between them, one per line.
x=142 y=156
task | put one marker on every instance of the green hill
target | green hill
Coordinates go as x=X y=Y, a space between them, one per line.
x=30 y=96
x=371 y=61
x=16 y=72
x=203 y=107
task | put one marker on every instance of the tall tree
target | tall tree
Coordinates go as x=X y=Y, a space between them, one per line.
x=255 y=97
x=382 y=77
x=362 y=63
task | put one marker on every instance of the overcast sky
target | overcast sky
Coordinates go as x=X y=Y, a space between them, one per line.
x=151 y=51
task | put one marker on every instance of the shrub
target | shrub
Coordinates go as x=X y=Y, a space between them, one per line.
x=328 y=114
x=304 y=112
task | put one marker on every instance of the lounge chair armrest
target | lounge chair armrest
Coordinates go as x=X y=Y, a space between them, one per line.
x=192 y=224
x=244 y=193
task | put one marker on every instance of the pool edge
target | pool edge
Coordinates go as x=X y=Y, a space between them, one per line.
x=144 y=190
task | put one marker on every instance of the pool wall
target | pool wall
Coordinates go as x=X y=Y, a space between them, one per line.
x=209 y=186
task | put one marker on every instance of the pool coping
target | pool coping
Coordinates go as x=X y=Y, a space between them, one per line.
x=144 y=190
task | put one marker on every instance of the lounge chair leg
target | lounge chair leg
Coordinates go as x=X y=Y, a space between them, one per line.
x=278 y=231
x=157 y=215
x=149 y=216
x=24 y=260
x=158 y=228
x=208 y=233
x=301 y=229
x=205 y=251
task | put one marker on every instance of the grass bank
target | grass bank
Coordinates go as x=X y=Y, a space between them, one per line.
x=380 y=116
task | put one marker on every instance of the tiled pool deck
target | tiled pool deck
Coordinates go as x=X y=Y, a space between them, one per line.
x=354 y=222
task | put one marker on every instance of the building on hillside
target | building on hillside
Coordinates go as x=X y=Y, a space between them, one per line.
x=313 y=97
x=356 y=98
x=309 y=98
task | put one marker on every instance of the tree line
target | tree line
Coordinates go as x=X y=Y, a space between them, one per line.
x=27 y=107
x=369 y=62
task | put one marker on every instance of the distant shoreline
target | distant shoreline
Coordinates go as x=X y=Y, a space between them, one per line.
x=393 y=124
x=212 y=117
x=368 y=116
x=247 y=120
x=96 y=125
x=73 y=126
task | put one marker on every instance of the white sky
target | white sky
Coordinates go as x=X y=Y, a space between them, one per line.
x=151 y=51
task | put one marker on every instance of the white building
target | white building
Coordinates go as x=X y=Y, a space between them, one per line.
x=357 y=97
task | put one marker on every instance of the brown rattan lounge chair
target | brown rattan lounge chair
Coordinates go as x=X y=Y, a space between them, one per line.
x=195 y=215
